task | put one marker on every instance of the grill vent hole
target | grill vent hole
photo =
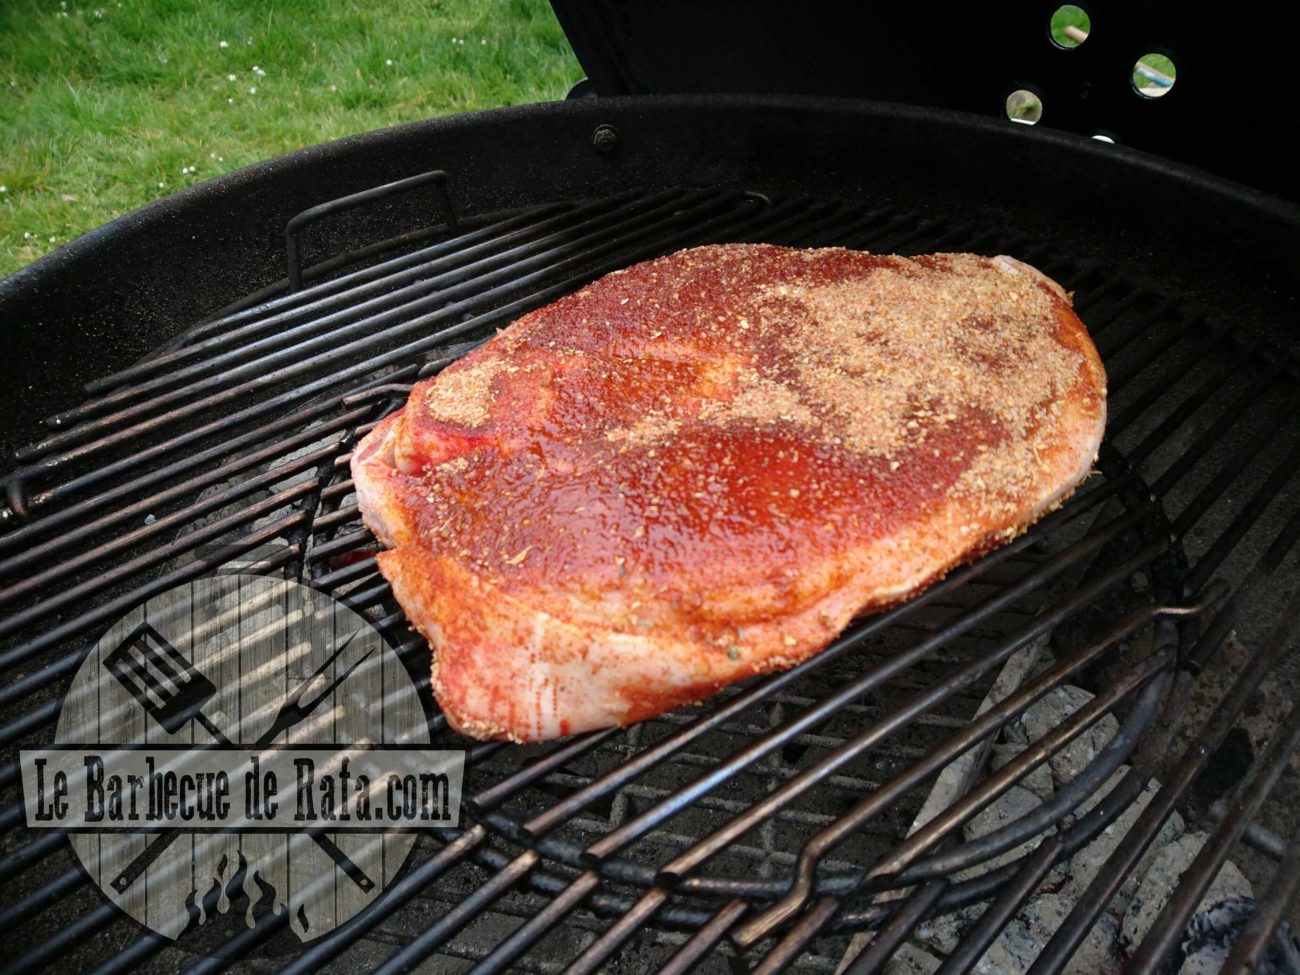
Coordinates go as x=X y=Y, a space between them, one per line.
x=1153 y=75
x=1024 y=106
x=1070 y=26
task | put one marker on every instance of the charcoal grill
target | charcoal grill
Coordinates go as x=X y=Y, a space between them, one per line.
x=200 y=387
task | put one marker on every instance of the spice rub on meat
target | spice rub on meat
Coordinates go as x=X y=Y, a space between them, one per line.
x=702 y=467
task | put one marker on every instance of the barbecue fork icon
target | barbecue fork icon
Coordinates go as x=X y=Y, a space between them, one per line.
x=173 y=693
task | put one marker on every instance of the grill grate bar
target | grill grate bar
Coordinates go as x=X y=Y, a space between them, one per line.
x=16 y=729
x=531 y=931
x=873 y=232
x=665 y=838
x=1158 y=356
x=1251 y=943
x=115 y=607
x=466 y=273
x=813 y=218
x=268 y=320
x=1264 y=496
x=600 y=826
x=65 y=940
x=464 y=911
x=159 y=526
x=42 y=897
x=831 y=231
x=1190 y=404
x=17 y=860
x=926 y=838
x=889 y=937
x=1216 y=432
x=229 y=321
x=986 y=885
x=957 y=858
x=896 y=236
x=986 y=724
x=599 y=951
x=344 y=515
x=1003 y=908
x=871 y=678
x=1122 y=308
x=782 y=956
x=1120 y=863
x=349 y=573
x=430 y=870
x=157 y=556
x=703 y=940
x=77 y=522
x=1170 y=925
x=322 y=551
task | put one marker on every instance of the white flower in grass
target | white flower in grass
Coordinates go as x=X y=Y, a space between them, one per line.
x=253 y=90
x=389 y=62
x=222 y=44
x=231 y=77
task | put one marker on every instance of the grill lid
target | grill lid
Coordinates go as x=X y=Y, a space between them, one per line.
x=1221 y=114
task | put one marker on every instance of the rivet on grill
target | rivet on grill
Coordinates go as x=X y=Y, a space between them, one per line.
x=605 y=138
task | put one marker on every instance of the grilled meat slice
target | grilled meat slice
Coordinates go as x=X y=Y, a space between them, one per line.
x=702 y=467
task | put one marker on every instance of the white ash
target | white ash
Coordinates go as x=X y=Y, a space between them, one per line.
x=1161 y=878
x=910 y=959
x=942 y=934
x=1088 y=861
x=1128 y=918
x=1011 y=806
x=272 y=547
x=1039 y=781
x=1024 y=938
x=1050 y=711
x=1212 y=932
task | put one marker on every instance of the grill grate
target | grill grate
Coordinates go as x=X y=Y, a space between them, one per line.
x=769 y=826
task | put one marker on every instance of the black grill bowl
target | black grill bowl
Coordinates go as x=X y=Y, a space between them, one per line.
x=221 y=410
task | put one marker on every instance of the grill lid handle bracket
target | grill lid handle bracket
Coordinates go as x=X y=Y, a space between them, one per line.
x=437 y=178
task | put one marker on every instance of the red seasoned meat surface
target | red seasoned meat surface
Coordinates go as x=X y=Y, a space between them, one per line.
x=702 y=467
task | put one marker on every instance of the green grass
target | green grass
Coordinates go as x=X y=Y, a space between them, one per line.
x=107 y=105
x=1065 y=16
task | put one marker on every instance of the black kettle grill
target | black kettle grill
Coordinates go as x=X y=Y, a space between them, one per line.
x=183 y=388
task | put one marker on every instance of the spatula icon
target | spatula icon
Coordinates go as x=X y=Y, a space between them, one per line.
x=173 y=693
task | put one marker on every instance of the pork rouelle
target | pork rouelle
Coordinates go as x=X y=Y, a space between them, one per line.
x=702 y=467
